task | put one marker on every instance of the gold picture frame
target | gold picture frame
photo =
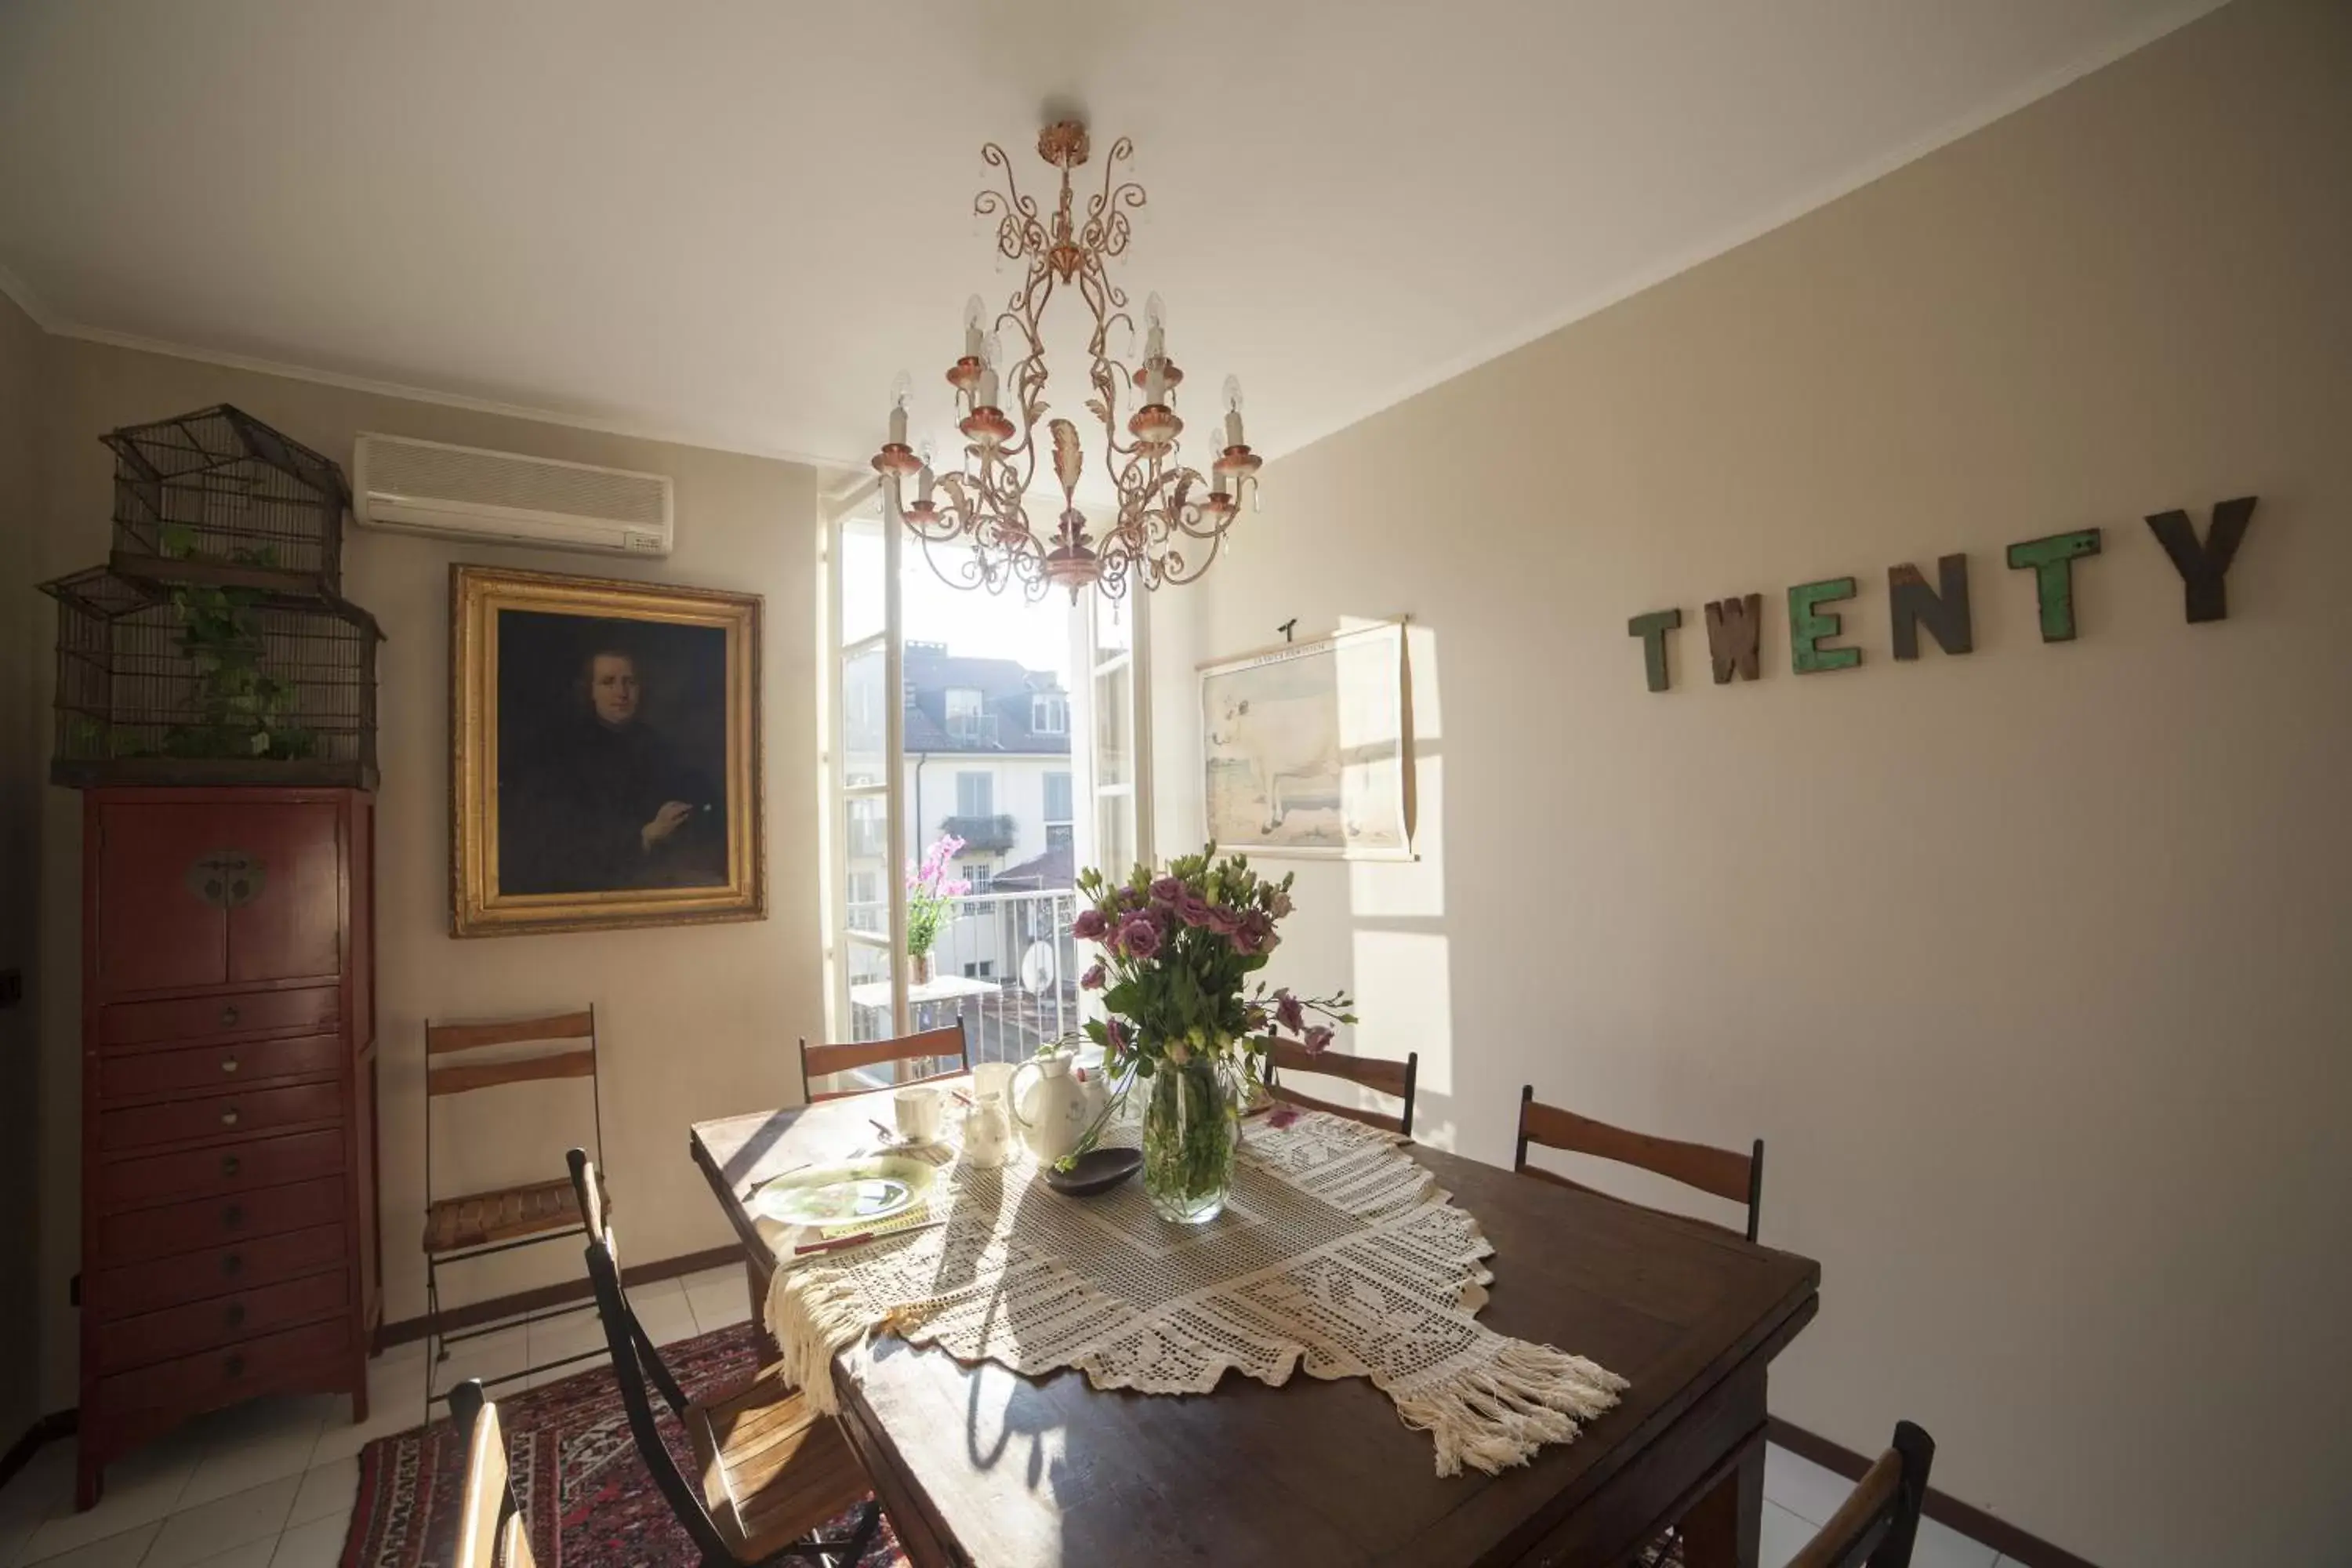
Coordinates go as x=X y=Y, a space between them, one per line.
x=558 y=779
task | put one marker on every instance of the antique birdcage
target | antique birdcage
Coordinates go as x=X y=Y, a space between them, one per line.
x=218 y=496
x=204 y=682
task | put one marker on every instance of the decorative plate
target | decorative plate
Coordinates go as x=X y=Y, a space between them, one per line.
x=854 y=1192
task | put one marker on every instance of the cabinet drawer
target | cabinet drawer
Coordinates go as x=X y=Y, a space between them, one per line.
x=206 y=1325
x=122 y=1292
x=219 y=1116
x=213 y=1222
x=216 y=1376
x=125 y=1075
x=232 y=1168
x=312 y=1010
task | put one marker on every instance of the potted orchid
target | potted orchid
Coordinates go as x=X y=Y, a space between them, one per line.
x=932 y=889
x=1187 y=1026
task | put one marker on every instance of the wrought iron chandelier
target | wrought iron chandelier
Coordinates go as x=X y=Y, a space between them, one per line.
x=1172 y=520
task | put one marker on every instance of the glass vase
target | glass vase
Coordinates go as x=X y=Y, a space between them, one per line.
x=1192 y=1125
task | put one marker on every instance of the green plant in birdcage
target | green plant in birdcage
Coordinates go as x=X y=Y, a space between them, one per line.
x=242 y=708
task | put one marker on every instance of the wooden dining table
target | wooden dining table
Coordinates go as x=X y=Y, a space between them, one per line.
x=979 y=1465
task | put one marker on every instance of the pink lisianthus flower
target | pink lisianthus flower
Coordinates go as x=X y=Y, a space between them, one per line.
x=1092 y=979
x=1288 y=1012
x=1168 y=889
x=1092 y=925
x=1139 y=938
x=1318 y=1039
x=1281 y=1116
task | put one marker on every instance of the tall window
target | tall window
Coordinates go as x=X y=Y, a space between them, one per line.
x=1056 y=682
x=966 y=712
x=975 y=794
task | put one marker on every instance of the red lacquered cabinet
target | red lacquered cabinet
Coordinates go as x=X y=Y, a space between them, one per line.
x=229 y=1241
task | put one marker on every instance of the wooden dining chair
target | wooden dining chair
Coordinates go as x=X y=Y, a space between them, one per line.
x=1879 y=1521
x=466 y=1226
x=1374 y=1073
x=948 y=1041
x=1736 y=1177
x=772 y=1470
x=492 y=1532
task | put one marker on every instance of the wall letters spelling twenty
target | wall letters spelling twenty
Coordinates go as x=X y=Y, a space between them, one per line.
x=1734 y=626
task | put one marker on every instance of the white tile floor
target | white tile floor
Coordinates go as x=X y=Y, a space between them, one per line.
x=271 y=1484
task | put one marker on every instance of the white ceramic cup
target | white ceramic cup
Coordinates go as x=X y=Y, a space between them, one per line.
x=917 y=1109
x=994 y=1078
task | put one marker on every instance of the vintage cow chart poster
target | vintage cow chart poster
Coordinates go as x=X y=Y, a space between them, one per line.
x=1306 y=748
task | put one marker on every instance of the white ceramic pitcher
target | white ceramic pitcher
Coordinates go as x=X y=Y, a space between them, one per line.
x=1056 y=1111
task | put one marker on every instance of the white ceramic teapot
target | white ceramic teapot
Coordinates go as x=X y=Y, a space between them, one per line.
x=1057 y=1110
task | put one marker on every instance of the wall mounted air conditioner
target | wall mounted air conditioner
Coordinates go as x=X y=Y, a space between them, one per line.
x=464 y=492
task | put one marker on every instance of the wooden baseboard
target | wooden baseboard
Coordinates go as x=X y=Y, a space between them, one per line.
x=56 y=1424
x=474 y=1315
x=2014 y=1545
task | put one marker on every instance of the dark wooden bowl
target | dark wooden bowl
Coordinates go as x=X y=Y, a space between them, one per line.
x=1095 y=1170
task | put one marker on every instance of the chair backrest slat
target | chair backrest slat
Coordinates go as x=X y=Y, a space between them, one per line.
x=470 y=1076
x=1720 y=1172
x=1290 y=1096
x=1878 y=1523
x=440 y=1038
x=492 y=1530
x=1375 y=1073
x=823 y=1060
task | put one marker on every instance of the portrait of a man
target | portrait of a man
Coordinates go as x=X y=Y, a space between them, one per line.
x=606 y=753
x=611 y=755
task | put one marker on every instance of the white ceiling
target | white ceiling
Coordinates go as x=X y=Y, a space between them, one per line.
x=731 y=221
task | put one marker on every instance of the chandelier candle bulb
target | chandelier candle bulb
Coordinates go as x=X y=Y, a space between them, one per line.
x=973 y=313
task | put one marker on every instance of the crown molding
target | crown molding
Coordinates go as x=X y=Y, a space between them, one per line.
x=633 y=429
x=22 y=294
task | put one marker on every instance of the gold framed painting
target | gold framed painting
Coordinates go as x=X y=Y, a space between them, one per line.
x=1306 y=748
x=605 y=755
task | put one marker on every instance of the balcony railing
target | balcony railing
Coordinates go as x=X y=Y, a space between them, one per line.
x=973 y=729
x=1006 y=965
x=993 y=834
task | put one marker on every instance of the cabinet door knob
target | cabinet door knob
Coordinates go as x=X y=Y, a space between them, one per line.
x=228 y=1117
x=232 y=1263
x=231 y=1165
x=229 y=1018
x=228 y=1064
x=236 y=1314
x=232 y=1216
x=233 y=1366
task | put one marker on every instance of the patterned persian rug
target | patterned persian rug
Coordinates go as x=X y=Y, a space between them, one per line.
x=591 y=1501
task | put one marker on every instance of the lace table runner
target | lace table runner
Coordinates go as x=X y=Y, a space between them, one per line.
x=1336 y=1250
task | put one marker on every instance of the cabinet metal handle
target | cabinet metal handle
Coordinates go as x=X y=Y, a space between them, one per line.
x=228 y=1064
x=231 y=1164
x=228 y=1117
x=229 y=1017
x=233 y=1263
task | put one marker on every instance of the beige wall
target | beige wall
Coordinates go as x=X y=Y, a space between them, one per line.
x=695 y=1022
x=23 y=354
x=2029 y=966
